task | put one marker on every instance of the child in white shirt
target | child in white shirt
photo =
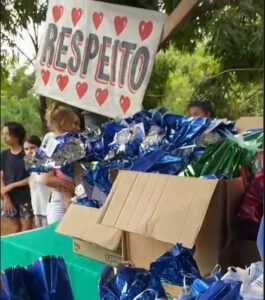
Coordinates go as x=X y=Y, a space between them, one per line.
x=40 y=193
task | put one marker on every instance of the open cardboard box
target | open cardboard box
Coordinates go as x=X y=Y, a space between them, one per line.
x=155 y=211
x=145 y=214
x=245 y=123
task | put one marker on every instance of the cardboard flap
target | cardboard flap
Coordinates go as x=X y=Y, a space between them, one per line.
x=245 y=123
x=163 y=207
x=81 y=222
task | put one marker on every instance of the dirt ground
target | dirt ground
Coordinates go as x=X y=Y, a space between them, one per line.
x=4 y=226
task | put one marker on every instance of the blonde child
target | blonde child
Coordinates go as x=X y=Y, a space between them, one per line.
x=60 y=120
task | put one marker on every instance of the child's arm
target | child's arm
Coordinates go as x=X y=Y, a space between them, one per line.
x=7 y=188
x=60 y=185
x=8 y=206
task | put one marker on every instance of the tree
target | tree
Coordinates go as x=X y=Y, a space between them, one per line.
x=23 y=16
x=178 y=77
x=230 y=30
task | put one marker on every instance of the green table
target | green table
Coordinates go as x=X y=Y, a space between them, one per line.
x=24 y=248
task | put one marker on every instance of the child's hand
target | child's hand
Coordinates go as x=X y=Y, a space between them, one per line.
x=6 y=189
x=67 y=187
x=8 y=206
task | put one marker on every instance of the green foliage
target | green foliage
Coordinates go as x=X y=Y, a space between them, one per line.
x=18 y=103
x=215 y=54
x=178 y=78
x=232 y=31
x=175 y=77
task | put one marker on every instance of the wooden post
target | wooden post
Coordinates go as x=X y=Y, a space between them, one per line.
x=178 y=14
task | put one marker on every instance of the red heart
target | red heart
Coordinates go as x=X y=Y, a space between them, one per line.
x=57 y=12
x=97 y=19
x=101 y=95
x=120 y=23
x=45 y=75
x=124 y=103
x=76 y=15
x=81 y=88
x=145 y=29
x=62 y=81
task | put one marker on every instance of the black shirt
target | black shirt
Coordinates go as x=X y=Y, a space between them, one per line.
x=14 y=170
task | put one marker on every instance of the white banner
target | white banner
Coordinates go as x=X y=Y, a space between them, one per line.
x=98 y=56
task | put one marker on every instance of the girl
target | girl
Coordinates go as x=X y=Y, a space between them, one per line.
x=60 y=120
x=14 y=179
x=40 y=193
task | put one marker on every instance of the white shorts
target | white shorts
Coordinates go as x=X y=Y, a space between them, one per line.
x=55 y=208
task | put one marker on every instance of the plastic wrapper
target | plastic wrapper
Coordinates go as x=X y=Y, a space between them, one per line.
x=221 y=290
x=81 y=198
x=87 y=202
x=181 y=130
x=99 y=175
x=144 y=163
x=60 y=151
x=44 y=279
x=125 y=144
x=223 y=159
x=251 y=209
x=256 y=136
x=13 y=284
x=169 y=164
x=176 y=264
x=199 y=285
x=154 y=138
x=129 y=283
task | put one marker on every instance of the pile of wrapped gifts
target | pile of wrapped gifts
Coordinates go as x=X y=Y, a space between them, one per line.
x=172 y=167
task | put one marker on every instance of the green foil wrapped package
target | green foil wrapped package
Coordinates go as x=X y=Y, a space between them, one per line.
x=256 y=137
x=223 y=159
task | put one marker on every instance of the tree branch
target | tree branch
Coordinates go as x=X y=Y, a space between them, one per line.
x=33 y=41
x=13 y=44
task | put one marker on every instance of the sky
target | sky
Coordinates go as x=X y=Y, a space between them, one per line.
x=26 y=44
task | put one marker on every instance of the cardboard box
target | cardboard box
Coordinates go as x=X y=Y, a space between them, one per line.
x=90 y=238
x=98 y=253
x=245 y=123
x=159 y=210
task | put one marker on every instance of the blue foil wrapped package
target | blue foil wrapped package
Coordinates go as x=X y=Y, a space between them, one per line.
x=181 y=130
x=88 y=202
x=129 y=283
x=44 y=279
x=99 y=175
x=13 y=284
x=169 y=164
x=221 y=290
x=176 y=264
x=109 y=131
x=47 y=279
x=145 y=163
x=59 y=151
x=199 y=285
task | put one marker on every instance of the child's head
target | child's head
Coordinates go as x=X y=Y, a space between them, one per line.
x=200 y=109
x=31 y=145
x=61 y=119
x=13 y=134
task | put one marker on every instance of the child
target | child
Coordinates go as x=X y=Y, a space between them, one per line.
x=40 y=193
x=15 y=190
x=200 y=109
x=60 y=120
